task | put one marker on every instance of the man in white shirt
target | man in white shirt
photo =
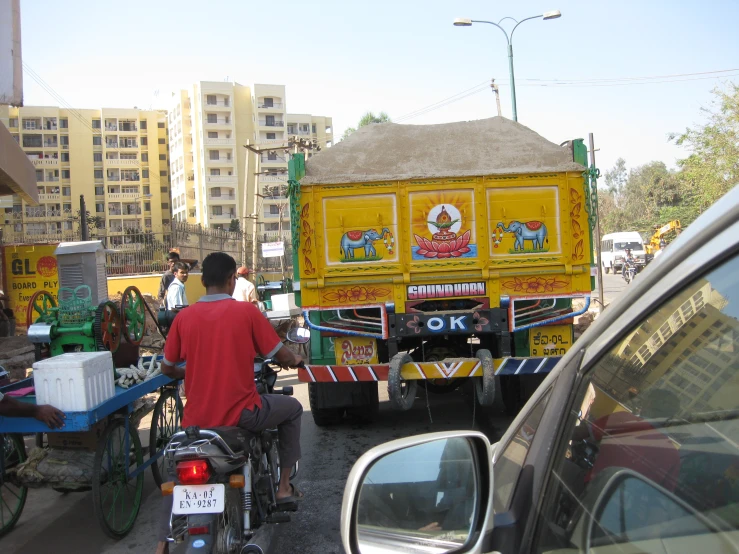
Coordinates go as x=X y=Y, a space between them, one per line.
x=245 y=290
x=176 y=292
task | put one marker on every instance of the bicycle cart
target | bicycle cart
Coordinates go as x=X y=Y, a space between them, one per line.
x=117 y=473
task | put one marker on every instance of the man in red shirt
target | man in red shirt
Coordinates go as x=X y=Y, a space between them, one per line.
x=218 y=339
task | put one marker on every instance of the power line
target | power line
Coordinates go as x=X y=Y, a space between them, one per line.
x=413 y=113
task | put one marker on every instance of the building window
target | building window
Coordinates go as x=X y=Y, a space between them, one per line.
x=64 y=140
x=144 y=141
x=210 y=99
x=163 y=173
x=13 y=123
x=64 y=123
x=314 y=128
x=165 y=206
x=163 y=157
x=214 y=155
x=213 y=134
x=163 y=189
x=271 y=136
x=145 y=173
x=162 y=141
x=97 y=140
x=66 y=191
x=98 y=174
x=142 y=124
x=65 y=156
x=160 y=124
x=145 y=157
x=217 y=210
x=147 y=206
x=99 y=191
x=65 y=174
x=215 y=192
x=212 y=118
x=97 y=156
x=274 y=209
x=96 y=124
x=214 y=172
x=146 y=189
x=269 y=102
x=100 y=207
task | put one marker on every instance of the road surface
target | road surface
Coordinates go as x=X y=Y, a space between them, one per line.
x=613 y=286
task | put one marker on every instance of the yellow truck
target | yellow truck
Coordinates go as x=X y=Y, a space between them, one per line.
x=438 y=255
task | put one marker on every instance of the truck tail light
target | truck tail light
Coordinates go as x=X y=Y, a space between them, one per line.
x=193 y=472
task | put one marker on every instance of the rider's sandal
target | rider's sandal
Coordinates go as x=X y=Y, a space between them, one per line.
x=296 y=496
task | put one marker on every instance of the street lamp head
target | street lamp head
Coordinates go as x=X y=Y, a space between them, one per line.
x=462 y=22
x=553 y=14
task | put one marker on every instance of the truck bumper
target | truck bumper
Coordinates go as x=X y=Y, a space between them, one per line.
x=459 y=368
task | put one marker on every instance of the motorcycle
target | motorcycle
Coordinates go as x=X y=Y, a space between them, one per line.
x=226 y=480
x=631 y=270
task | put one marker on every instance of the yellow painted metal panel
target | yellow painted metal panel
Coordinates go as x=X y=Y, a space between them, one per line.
x=355 y=351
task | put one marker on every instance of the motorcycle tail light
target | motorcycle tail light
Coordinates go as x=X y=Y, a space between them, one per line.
x=193 y=472
x=199 y=530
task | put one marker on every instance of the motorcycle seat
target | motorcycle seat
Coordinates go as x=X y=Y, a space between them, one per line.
x=236 y=438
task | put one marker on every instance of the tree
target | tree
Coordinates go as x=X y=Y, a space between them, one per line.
x=234 y=227
x=367 y=119
x=712 y=169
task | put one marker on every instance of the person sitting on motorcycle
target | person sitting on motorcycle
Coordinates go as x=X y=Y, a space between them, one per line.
x=628 y=260
x=218 y=339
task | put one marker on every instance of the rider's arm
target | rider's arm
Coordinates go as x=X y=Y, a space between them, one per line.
x=173 y=352
x=267 y=342
x=287 y=358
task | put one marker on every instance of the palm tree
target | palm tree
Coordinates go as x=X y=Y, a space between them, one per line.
x=367 y=119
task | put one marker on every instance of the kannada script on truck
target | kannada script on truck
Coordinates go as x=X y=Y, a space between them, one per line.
x=438 y=255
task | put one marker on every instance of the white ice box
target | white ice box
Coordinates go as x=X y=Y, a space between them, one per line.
x=283 y=302
x=75 y=381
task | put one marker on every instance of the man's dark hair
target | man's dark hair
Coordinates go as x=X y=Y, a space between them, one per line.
x=173 y=256
x=180 y=265
x=217 y=269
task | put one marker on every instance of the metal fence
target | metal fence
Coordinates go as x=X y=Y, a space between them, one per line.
x=140 y=251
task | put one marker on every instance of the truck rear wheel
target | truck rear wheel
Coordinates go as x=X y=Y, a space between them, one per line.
x=322 y=416
x=485 y=385
x=402 y=393
x=367 y=413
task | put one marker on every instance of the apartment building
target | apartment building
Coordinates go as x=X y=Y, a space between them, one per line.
x=116 y=158
x=215 y=179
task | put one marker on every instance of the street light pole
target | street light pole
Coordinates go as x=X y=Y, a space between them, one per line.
x=464 y=22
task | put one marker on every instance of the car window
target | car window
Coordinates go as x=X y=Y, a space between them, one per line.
x=509 y=464
x=652 y=450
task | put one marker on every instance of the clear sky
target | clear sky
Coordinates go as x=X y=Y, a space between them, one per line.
x=341 y=58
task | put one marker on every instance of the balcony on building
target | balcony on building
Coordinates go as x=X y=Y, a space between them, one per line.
x=40 y=159
x=116 y=159
x=111 y=142
x=50 y=124
x=33 y=141
x=270 y=103
x=128 y=126
x=131 y=209
x=47 y=176
x=111 y=125
x=219 y=179
x=49 y=194
x=222 y=213
x=217 y=102
x=273 y=158
x=214 y=119
x=273 y=178
x=275 y=192
x=130 y=175
x=114 y=208
x=32 y=124
x=215 y=138
x=221 y=194
x=216 y=157
x=271 y=121
x=51 y=141
x=116 y=225
x=113 y=175
x=299 y=129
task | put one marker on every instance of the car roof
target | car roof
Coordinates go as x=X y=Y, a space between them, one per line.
x=622 y=234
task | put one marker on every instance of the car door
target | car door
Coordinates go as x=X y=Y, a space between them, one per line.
x=645 y=454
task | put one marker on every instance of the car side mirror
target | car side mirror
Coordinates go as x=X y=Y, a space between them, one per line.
x=428 y=493
x=299 y=335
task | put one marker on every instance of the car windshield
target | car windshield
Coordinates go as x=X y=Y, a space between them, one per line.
x=630 y=245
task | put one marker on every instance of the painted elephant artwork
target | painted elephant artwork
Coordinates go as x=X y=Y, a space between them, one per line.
x=353 y=240
x=534 y=231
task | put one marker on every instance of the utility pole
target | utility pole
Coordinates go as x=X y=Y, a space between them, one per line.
x=597 y=227
x=244 y=206
x=497 y=95
x=84 y=230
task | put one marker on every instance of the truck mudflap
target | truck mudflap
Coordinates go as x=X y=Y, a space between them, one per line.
x=447 y=369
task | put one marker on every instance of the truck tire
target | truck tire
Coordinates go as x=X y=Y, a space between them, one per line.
x=402 y=393
x=485 y=385
x=607 y=268
x=322 y=416
x=367 y=413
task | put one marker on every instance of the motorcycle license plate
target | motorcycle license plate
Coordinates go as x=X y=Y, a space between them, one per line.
x=198 y=499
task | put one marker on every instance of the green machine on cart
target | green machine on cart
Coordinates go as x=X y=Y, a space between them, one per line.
x=84 y=320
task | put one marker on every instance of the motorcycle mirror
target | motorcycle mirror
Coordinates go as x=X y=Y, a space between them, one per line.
x=299 y=335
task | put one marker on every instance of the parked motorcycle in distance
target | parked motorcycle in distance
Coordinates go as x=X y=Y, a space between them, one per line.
x=226 y=480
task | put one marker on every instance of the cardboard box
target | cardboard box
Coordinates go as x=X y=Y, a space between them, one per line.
x=79 y=440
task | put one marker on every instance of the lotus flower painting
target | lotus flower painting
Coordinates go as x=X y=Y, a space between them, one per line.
x=446 y=237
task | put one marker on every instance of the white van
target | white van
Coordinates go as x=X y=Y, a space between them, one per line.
x=613 y=246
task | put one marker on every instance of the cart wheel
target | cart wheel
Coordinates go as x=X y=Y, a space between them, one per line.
x=107 y=327
x=12 y=496
x=116 y=501
x=39 y=306
x=133 y=315
x=165 y=422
